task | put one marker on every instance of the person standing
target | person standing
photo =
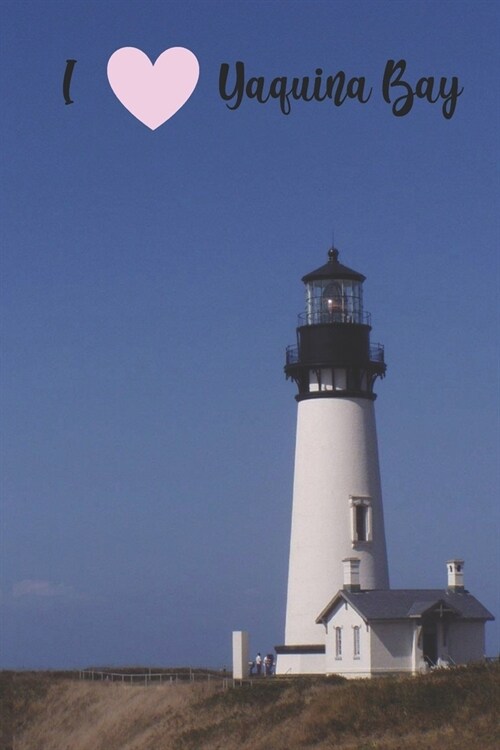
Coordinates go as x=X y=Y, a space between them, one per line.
x=268 y=665
x=258 y=663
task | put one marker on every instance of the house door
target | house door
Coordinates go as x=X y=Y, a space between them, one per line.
x=430 y=643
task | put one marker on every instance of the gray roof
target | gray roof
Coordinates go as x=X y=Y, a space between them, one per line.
x=333 y=270
x=399 y=604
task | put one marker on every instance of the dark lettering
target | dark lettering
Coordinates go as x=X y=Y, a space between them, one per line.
x=317 y=86
x=70 y=64
x=449 y=97
x=337 y=81
x=396 y=90
x=278 y=91
x=356 y=89
x=403 y=103
x=424 y=89
x=255 y=89
x=302 y=94
x=239 y=84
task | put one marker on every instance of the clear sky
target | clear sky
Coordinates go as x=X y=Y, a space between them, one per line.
x=151 y=282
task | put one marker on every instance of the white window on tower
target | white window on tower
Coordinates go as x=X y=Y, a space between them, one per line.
x=338 y=643
x=361 y=519
x=361 y=512
x=356 y=643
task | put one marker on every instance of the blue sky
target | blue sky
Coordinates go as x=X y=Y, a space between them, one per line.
x=151 y=282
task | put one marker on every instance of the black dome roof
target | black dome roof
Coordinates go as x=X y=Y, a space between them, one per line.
x=333 y=270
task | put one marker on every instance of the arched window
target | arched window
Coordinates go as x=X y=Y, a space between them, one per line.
x=356 y=641
x=338 y=643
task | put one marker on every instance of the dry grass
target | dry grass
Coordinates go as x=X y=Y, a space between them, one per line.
x=453 y=709
x=105 y=716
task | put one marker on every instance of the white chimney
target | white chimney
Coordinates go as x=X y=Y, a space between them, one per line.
x=351 y=574
x=455 y=570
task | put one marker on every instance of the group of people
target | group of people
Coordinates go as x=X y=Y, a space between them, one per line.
x=262 y=665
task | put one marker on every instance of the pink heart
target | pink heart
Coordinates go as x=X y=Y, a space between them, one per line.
x=153 y=92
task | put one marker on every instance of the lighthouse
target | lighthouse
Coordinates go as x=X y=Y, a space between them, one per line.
x=337 y=514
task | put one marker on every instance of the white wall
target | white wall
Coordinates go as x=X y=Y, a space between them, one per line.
x=465 y=642
x=336 y=458
x=392 y=646
x=345 y=617
x=240 y=654
x=300 y=664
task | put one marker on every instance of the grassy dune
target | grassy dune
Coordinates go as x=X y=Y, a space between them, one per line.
x=448 y=709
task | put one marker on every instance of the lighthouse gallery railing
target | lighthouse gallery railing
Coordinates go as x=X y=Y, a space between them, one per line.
x=376 y=354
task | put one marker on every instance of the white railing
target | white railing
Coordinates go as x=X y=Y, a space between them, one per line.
x=150 y=677
x=218 y=679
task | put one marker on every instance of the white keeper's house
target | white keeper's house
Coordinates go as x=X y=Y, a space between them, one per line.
x=352 y=623
x=381 y=631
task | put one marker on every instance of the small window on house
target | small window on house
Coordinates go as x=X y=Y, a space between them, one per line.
x=357 y=648
x=338 y=643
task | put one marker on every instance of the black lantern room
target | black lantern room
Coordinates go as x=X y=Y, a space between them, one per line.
x=333 y=357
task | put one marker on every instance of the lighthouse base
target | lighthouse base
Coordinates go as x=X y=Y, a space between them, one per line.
x=300 y=659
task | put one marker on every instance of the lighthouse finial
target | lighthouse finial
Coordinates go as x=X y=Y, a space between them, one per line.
x=333 y=253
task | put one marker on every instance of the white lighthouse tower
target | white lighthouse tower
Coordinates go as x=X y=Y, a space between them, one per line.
x=337 y=500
